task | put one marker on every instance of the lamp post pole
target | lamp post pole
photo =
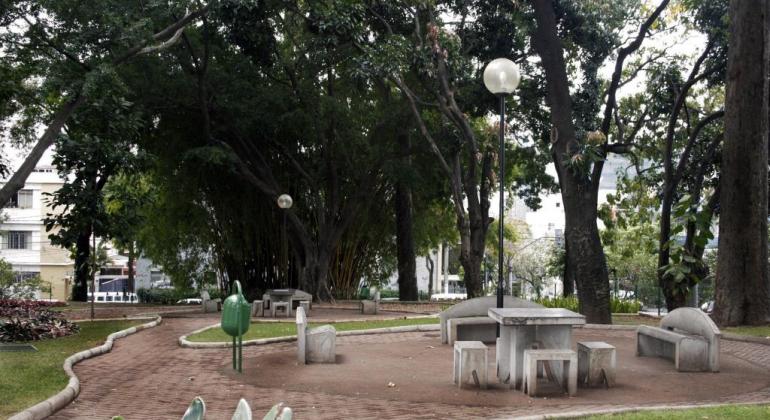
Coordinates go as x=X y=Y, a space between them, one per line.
x=501 y=77
x=501 y=222
x=284 y=203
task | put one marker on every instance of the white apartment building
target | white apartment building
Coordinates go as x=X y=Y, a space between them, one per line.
x=24 y=241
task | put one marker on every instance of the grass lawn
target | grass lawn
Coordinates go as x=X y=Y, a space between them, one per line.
x=28 y=378
x=761 y=331
x=282 y=329
x=634 y=320
x=726 y=412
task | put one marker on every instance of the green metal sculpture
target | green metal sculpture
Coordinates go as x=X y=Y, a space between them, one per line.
x=236 y=314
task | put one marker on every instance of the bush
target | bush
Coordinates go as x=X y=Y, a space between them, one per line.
x=29 y=320
x=625 y=306
x=570 y=302
x=617 y=306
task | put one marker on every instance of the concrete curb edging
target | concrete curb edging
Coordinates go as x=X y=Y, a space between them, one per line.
x=55 y=403
x=631 y=409
x=746 y=338
x=184 y=342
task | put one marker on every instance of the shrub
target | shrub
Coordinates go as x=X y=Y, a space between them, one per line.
x=617 y=306
x=625 y=306
x=570 y=302
x=29 y=320
x=165 y=296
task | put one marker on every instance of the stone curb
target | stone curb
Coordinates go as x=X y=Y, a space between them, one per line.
x=291 y=320
x=53 y=404
x=746 y=338
x=629 y=409
x=184 y=342
x=608 y=327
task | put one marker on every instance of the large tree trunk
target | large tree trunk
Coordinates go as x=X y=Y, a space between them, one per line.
x=585 y=256
x=407 y=279
x=742 y=288
x=568 y=279
x=586 y=261
x=131 y=259
x=429 y=265
x=82 y=266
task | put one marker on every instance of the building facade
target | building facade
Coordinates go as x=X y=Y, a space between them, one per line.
x=24 y=241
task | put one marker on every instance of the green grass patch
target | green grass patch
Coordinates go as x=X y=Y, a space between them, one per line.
x=283 y=329
x=754 y=331
x=745 y=412
x=634 y=320
x=28 y=378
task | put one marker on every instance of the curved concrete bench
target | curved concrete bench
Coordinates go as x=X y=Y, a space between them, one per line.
x=687 y=336
x=476 y=329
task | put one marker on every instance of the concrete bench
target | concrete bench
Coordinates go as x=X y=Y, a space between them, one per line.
x=470 y=363
x=687 y=336
x=478 y=307
x=305 y=304
x=596 y=363
x=285 y=306
x=317 y=345
x=473 y=328
x=257 y=308
x=569 y=370
x=207 y=304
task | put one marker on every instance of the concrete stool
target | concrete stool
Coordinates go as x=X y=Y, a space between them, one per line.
x=470 y=357
x=531 y=359
x=284 y=305
x=257 y=309
x=305 y=304
x=368 y=307
x=596 y=364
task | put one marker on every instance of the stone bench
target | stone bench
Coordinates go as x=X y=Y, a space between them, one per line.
x=569 y=370
x=286 y=307
x=257 y=308
x=317 y=345
x=596 y=363
x=470 y=363
x=687 y=336
x=473 y=328
x=478 y=307
x=305 y=304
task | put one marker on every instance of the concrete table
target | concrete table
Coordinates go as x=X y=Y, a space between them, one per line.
x=282 y=295
x=521 y=328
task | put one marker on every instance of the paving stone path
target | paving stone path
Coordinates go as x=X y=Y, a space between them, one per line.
x=148 y=376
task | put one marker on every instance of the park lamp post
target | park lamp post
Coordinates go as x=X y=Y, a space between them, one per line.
x=284 y=203
x=501 y=77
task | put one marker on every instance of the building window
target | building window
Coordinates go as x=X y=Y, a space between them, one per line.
x=558 y=204
x=17 y=240
x=22 y=200
x=20 y=276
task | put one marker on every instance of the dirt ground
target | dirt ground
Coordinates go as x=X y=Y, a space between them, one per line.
x=421 y=368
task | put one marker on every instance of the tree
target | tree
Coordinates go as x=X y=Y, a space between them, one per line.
x=742 y=284
x=124 y=198
x=579 y=151
x=432 y=68
x=68 y=62
x=97 y=144
x=12 y=287
x=530 y=265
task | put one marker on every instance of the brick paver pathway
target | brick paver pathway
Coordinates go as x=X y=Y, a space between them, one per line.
x=148 y=376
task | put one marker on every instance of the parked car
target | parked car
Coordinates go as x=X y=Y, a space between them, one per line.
x=189 y=301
